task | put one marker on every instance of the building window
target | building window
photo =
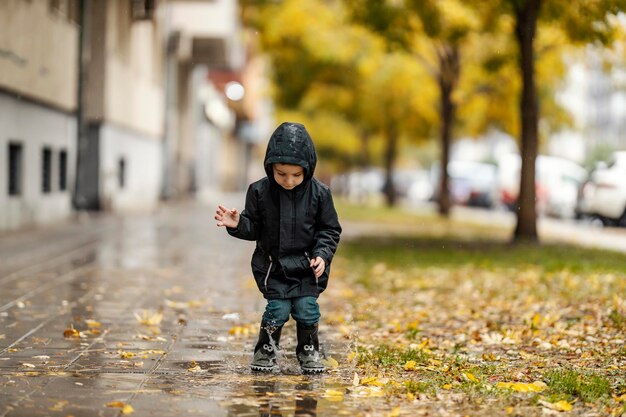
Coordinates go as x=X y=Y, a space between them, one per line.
x=46 y=170
x=63 y=170
x=121 y=172
x=68 y=9
x=15 y=169
x=142 y=9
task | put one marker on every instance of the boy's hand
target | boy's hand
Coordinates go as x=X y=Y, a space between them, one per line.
x=226 y=217
x=318 y=266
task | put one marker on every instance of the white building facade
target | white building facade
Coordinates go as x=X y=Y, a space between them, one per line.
x=38 y=75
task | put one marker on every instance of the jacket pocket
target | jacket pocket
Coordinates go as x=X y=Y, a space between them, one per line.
x=295 y=264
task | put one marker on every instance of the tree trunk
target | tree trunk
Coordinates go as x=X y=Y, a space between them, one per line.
x=525 y=29
x=448 y=77
x=364 y=158
x=389 y=188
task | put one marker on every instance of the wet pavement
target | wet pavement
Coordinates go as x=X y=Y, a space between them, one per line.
x=149 y=315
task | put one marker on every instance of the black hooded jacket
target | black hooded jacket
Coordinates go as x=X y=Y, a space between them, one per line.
x=290 y=227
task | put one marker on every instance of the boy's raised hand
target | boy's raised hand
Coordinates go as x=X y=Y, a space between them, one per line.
x=318 y=266
x=226 y=217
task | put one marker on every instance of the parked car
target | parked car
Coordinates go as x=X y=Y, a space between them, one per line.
x=470 y=183
x=557 y=181
x=603 y=197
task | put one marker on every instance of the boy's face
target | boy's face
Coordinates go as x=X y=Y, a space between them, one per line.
x=288 y=176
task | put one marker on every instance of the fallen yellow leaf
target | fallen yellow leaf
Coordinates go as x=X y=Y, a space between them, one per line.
x=536 y=386
x=126 y=408
x=372 y=381
x=620 y=398
x=194 y=367
x=558 y=406
x=71 y=332
x=330 y=363
x=470 y=377
x=59 y=405
x=395 y=412
x=92 y=324
x=333 y=395
x=410 y=366
x=149 y=319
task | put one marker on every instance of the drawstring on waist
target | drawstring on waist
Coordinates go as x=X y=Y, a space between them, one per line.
x=268 y=273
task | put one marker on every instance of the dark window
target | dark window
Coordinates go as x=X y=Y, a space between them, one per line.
x=46 y=170
x=15 y=169
x=121 y=172
x=68 y=9
x=63 y=170
x=142 y=9
x=73 y=11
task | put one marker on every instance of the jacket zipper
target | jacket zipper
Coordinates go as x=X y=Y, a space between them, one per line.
x=268 y=272
x=293 y=221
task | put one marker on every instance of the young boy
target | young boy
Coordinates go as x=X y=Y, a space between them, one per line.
x=292 y=218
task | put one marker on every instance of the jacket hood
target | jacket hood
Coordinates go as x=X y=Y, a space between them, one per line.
x=291 y=144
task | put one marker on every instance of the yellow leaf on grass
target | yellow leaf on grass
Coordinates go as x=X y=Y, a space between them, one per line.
x=126 y=355
x=471 y=377
x=447 y=386
x=562 y=405
x=372 y=381
x=410 y=366
x=536 y=386
x=395 y=412
x=536 y=320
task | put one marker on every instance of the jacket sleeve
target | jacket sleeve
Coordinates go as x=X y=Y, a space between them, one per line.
x=328 y=229
x=248 y=227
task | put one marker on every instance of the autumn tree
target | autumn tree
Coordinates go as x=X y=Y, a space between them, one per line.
x=582 y=21
x=334 y=73
x=443 y=25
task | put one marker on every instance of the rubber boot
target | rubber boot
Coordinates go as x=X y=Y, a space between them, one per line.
x=264 y=359
x=308 y=349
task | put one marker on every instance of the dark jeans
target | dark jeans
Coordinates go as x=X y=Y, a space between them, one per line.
x=304 y=310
